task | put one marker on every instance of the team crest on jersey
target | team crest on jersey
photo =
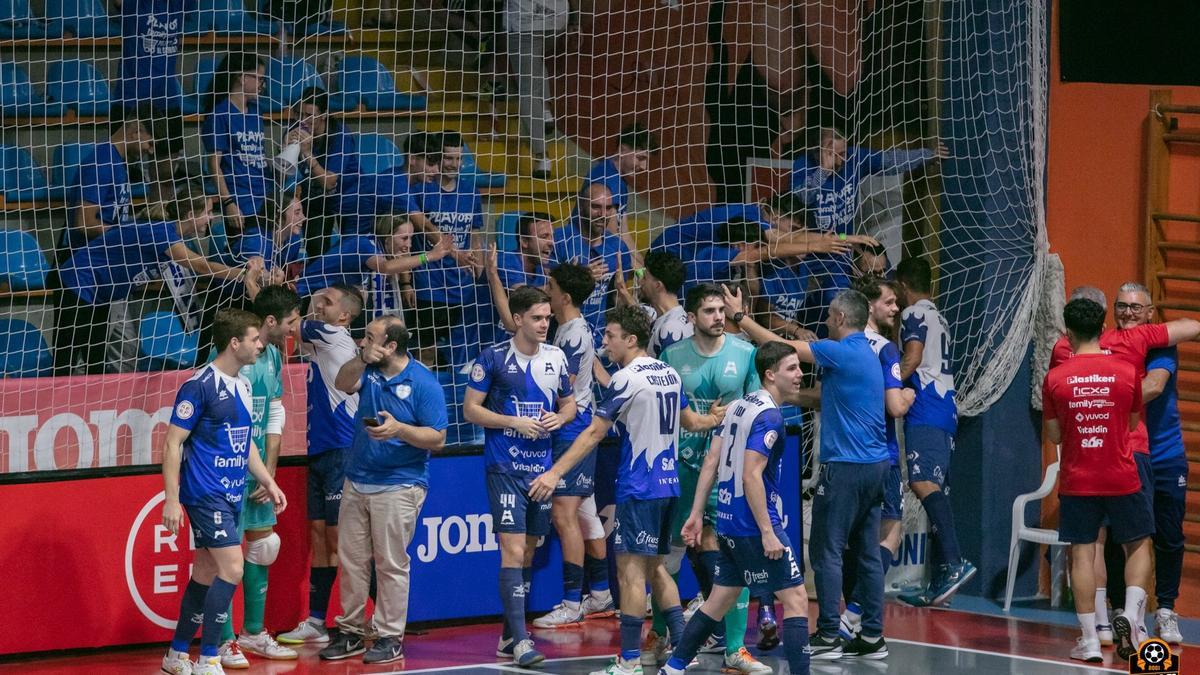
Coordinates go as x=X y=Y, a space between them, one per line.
x=403 y=391
x=477 y=373
x=185 y=410
x=896 y=370
x=770 y=438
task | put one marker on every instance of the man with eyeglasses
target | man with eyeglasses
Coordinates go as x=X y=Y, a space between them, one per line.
x=1132 y=342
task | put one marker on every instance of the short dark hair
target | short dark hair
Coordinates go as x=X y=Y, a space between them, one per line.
x=788 y=205
x=696 y=296
x=143 y=115
x=871 y=286
x=189 y=198
x=667 y=268
x=769 y=355
x=853 y=306
x=632 y=320
x=525 y=297
x=232 y=323
x=315 y=96
x=424 y=143
x=450 y=139
x=1084 y=318
x=575 y=280
x=231 y=67
x=916 y=274
x=352 y=300
x=394 y=330
x=739 y=231
x=637 y=137
x=526 y=221
x=276 y=301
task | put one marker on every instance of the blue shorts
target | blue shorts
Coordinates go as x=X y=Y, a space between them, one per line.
x=643 y=526
x=580 y=481
x=1146 y=474
x=214 y=523
x=513 y=511
x=326 y=474
x=928 y=451
x=893 y=495
x=743 y=563
x=1130 y=518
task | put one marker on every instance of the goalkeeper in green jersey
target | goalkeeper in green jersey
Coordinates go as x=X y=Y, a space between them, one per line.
x=717 y=369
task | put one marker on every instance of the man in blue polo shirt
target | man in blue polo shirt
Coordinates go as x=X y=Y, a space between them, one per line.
x=401 y=418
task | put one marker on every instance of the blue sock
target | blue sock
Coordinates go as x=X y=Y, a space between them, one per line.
x=941 y=520
x=597 y=573
x=216 y=614
x=572 y=582
x=320 y=585
x=885 y=556
x=527 y=582
x=512 y=598
x=631 y=637
x=674 y=619
x=694 y=635
x=191 y=615
x=709 y=561
x=795 y=644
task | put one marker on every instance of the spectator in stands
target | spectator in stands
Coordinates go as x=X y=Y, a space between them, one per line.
x=735 y=247
x=166 y=171
x=872 y=261
x=150 y=38
x=589 y=239
x=235 y=142
x=530 y=263
x=102 y=196
x=531 y=24
x=634 y=146
x=393 y=191
x=110 y=266
x=328 y=168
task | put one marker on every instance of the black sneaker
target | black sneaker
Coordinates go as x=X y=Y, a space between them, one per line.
x=861 y=648
x=825 y=648
x=343 y=646
x=385 y=650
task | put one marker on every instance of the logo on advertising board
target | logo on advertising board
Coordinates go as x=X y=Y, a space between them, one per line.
x=157 y=563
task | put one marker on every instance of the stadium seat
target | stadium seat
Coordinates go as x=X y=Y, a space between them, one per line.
x=82 y=18
x=480 y=179
x=23 y=350
x=23 y=267
x=228 y=17
x=1020 y=532
x=18 y=98
x=377 y=153
x=364 y=80
x=164 y=344
x=287 y=78
x=21 y=179
x=507 y=230
x=79 y=85
x=17 y=22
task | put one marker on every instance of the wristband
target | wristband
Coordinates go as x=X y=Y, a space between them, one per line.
x=842 y=237
x=423 y=258
x=227 y=201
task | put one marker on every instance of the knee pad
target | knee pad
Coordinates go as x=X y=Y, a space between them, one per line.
x=263 y=551
x=589 y=521
x=674 y=559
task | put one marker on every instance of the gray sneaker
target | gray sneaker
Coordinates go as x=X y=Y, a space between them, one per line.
x=385 y=650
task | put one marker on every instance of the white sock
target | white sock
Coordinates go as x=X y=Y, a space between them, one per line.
x=1087 y=622
x=174 y=654
x=1135 y=609
x=1102 y=606
x=601 y=595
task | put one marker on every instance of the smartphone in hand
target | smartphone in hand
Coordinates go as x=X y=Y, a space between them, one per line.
x=370 y=422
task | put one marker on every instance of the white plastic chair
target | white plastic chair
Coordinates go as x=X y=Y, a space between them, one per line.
x=1021 y=532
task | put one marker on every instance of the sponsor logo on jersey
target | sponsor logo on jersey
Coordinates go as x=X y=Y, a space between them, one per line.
x=1090 y=443
x=1086 y=392
x=1092 y=379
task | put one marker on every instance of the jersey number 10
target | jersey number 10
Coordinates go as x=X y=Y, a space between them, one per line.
x=668 y=412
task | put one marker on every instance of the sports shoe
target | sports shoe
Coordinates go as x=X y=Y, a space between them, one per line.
x=564 y=614
x=692 y=607
x=620 y=666
x=742 y=662
x=176 y=663
x=1087 y=650
x=922 y=598
x=524 y=654
x=265 y=646
x=385 y=650
x=668 y=670
x=232 y=656
x=1124 y=637
x=504 y=648
x=343 y=646
x=851 y=622
x=655 y=649
x=825 y=648
x=1104 y=632
x=861 y=648
x=768 y=628
x=308 y=632
x=713 y=645
x=210 y=665
x=1166 y=624
x=598 y=606
x=952 y=578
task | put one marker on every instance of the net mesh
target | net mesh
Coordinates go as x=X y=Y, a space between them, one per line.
x=336 y=142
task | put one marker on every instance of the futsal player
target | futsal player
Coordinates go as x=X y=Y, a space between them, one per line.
x=659 y=288
x=206 y=456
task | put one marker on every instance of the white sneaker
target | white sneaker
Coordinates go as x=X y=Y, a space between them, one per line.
x=850 y=625
x=563 y=614
x=743 y=662
x=208 y=666
x=1166 y=624
x=176 y=663
x=1104 y=632
x=265 y=646
x=1087 y=650
x=655 y=649
x=598 y=605
x=668 y=670
x=620 y=666
x=692 y=607
x=232 y=656
x=306 y=633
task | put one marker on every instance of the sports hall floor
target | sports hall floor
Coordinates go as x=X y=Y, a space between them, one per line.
x=921 y=642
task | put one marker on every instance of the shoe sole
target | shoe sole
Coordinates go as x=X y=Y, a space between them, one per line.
x=527 y=664
x=827 y=655
x=949 y=592
x=347 y=655
x=573 y=624
x=873 y=656
x=239 y=666
x=1089 y=659
x=1123 y=638
x=314 y=641
x=600 y=615
x=270 y=657
x=913 y=602
x=390 y=659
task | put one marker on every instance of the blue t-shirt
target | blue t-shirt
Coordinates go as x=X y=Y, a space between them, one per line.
x=331 y=411
x=852 y=427
x=570 y=245
x=700 y=228
x=373 y=194
x=889 y=362
x=605 y=173
x=833 y=195
x=345 y=263
x=103 y=181
x=109 y=266
x=521 y=386
x=340 y=157
x=150 y=36
x=709 y=264
x=511 y=266
x=752 y=424
x=413 y=396
x=786 y=288
x=215 y=409
x=238 y=136
x=1162 y=414
x=457 y=213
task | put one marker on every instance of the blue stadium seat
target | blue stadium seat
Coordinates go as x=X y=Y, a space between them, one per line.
x=507 y=230
x=82 y=18
x=228 y=17
x=480 y=179
x=18 y=98
x=164 y=344
x=17 y=22
x=79 y=85
x=377 y=153
x=287 y=78
x=362 y=79
x=23 y=350
x=23 y=267
x=21 y=179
